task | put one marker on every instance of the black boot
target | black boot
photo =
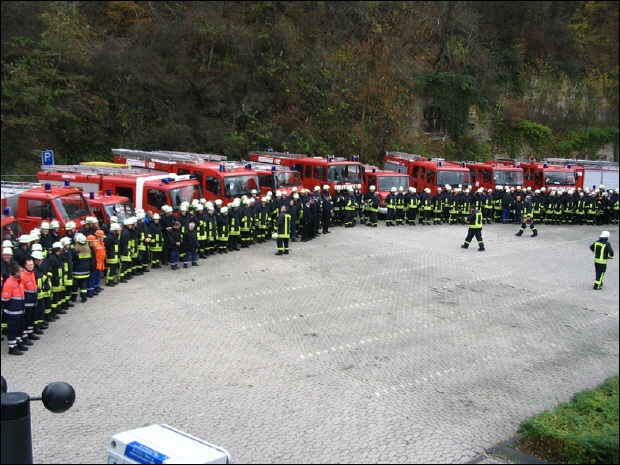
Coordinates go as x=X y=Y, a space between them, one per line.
x=15 y=351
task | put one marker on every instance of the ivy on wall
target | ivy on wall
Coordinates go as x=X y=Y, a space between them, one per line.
x=454 y=94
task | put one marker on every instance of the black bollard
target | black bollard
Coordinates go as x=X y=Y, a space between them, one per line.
x=16 y=433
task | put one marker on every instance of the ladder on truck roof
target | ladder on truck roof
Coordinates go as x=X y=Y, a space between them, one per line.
x=87 y=169
x=261 y=166
x=168 y=156
x=10 y=188
x=280 y=154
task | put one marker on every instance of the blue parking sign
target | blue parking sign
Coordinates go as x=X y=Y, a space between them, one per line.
x=47 y=157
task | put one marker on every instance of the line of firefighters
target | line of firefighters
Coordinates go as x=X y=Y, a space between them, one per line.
x=503 y=205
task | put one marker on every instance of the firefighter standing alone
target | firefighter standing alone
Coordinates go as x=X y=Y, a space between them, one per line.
x=475 y=228
x=602 y=252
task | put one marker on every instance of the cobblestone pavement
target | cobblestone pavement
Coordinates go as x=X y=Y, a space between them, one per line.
x=366 y=345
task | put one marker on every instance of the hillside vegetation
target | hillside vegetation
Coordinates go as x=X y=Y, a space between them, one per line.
x=463 y=80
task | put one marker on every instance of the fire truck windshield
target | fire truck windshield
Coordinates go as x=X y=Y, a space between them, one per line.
x=290 y=179
x=237 y=186
x=387 y=182
x=509 y=178
x=559 y=178
x=121 y=210
x=454 y=178
x=345 y=173
x=178 y=195
x=72 y=206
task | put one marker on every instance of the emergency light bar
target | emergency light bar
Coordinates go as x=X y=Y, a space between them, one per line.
x=6 y=211
x=67 y=183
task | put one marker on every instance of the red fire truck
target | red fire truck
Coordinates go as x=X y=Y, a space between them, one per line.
x=148 y=191
x=33 y=203
x=489 y=175
x=384 y=180
x=543 y=174
x=218 y=178
x=276 y=178
x=433 y=173
x=318 y=171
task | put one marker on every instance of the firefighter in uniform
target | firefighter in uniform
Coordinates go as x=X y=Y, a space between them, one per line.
x=157 y=240
x=112 y=251
x=283 y=229
x=602 y=253
x=13 y=295
x=475 y=228
x=438 y=200
x=528 y=218
x=412 y=203
x=327 y=211
x=390 y=204
x=399 y=218
x=350 y=207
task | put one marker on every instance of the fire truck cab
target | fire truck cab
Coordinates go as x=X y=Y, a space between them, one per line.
x=425 y=173
x=543 y=174
x=384 y=181
x=33 y=203
x=218 y=178
x=11 y=227
x=318 y=171
x=491 y=174
x=276 y=178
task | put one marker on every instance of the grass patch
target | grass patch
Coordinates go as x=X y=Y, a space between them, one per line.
x=584 y=430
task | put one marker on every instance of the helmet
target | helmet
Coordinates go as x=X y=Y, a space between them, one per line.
x=295 y=195
x=317 y=188
x=24 y=239
x=56 y=245
x=80 y=238
x=411 y=189
x=294 y=189
x=114 y=219
x=54 y=224
x=115 y=227
x=605 y=234
x=401 y=188
x=156 y=216
x=7 y=243
x=224 y=210
x=38 y=247
x=372 y=188
x=99 y=233
x=263 y=199
x=218 y=202
x=7 y=251
x=359 y=186
x=69 y=225
x=127 y=222
x=140 y=216
x=326 y=187
x=35 y=235
x=37 y=255
x=91 y=237
x=45 y=225
x=498 y=188
x=393 y=189
x=88 y=220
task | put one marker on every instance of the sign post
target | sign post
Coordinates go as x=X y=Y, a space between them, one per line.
x=47 y=157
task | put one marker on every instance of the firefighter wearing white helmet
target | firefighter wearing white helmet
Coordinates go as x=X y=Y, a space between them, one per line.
x=399 y=219
x=54 y=265
x=82 y=258
x=22 y=252
x=390 y=205
x=350 y=208
x=438 y=204
x=603 y=252
x=223 y=230
x=327 y=212
x=412 y=204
